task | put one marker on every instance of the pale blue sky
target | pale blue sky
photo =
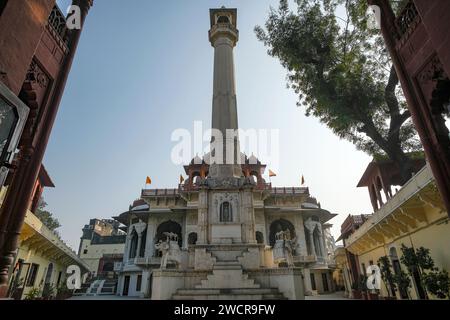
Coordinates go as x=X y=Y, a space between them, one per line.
x=144 y=69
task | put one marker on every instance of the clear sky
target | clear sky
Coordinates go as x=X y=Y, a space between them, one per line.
x=143 y=69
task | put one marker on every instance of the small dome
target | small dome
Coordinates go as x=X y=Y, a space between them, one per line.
x=139 y=205
x=253 y=160
x=197 y=160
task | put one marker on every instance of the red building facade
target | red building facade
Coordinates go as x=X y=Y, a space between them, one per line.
x=37 y=50
x=419 y=43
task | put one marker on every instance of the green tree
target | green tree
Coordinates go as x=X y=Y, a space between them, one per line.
x=436 y=282
x=387 y=275
x=46 y=216
x=343 y=75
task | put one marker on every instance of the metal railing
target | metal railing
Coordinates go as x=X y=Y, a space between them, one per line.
x=407 y=19
x=57 y=21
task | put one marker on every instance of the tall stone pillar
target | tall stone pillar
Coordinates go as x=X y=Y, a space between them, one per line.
x=202 y=224
x=223 y=36
x=138 y=250
x=311 y=241
x=150 y=247
x=321 y=241
x=307 y=281
x=248 y=216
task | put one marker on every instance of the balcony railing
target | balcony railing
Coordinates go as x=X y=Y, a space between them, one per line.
x=305 y=259
x=159 y=192
x=291 y=190
x=144 y=261
x=407 y=19
x=57 y=21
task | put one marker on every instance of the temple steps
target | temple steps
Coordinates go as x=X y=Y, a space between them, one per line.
x=229 y=294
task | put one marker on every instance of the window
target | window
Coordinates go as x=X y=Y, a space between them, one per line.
x=226 y=213
x=313 y=282
x=2 y=5
x=59 y=278
x=13 y=114
x=85 y=251
x=138 y=283
x=192 y=238
x=259 y=237
x=223 y=19
x=32 y=275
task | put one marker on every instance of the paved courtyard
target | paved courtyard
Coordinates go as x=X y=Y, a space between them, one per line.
x=332 y=296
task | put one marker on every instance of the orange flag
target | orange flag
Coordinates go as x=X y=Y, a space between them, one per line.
x=181 y=179
x=148 y=180
x=303 y=180
x=272 y=174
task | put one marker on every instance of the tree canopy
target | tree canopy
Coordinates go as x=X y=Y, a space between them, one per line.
x=343 y=75
x=46 y=216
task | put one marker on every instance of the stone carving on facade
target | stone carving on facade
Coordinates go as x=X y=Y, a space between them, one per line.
x=140 y=226
x=170 y=250
x=232 y=210
x=284 y=248
x=231 y=182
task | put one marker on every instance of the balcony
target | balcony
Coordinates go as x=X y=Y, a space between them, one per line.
x=159 y=192
x=306 y=259
x=406 y=21
x=144 y=261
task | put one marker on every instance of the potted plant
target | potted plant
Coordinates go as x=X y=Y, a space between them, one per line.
x=438 y=283
x=63 y=293
x=48 y=292
x=402 y=281
x=33 y=294
x=363 y=287
x=388 y=277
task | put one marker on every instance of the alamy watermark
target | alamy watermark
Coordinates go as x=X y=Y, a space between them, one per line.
x=374 y=279
x=73 y=281
x=218 y=147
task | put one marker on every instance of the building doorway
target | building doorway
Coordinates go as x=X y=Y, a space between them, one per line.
x=313 y=282
x=326 y=288
x=397 y=270
x=126 y=285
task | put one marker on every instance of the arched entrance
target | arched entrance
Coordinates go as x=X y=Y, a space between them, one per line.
x=280 y=225
x=48 y=276
x=397 y=269
x=168 y=226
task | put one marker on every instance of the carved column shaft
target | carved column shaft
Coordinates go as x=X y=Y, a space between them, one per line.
x=248 y=214
x=202 y=217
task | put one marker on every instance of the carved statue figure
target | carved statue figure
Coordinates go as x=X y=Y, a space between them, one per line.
x=169 y=249
x=284 y=248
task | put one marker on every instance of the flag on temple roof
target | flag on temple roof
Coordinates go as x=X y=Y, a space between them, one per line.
x=272 y=174
x=148 y=180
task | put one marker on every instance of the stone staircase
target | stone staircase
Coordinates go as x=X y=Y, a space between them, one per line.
x=228 y=281
x=97 y=287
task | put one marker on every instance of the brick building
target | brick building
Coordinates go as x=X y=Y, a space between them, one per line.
x=37 y=50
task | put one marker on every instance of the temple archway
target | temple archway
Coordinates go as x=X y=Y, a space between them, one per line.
x=168 y=226
x=280 y=225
